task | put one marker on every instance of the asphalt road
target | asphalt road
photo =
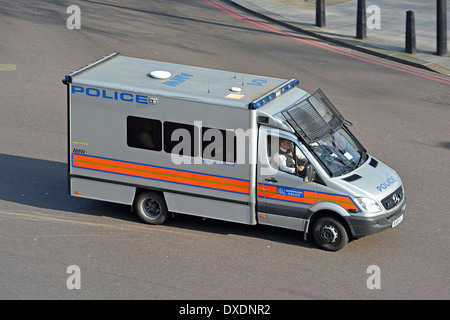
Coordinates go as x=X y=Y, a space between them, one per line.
x=400 y=114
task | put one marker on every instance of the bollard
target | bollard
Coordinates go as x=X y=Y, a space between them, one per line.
x=441 y=27
x=361 y=31
x=410 y=37
x=320 y=13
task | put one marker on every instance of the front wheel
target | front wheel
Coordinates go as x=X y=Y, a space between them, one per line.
x=330 y=234
x=151 y=207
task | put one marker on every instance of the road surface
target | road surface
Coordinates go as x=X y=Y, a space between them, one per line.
x=401 y=115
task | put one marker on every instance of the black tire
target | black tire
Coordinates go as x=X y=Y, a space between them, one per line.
x=330 y=234
x=151 y=207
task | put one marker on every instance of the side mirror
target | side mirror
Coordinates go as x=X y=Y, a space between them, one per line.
x=310 y=173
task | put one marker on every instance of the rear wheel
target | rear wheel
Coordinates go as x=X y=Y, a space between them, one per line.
x=330 y=234
x=151 y=207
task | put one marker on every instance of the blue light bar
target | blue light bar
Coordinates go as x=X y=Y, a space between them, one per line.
x=258 y=103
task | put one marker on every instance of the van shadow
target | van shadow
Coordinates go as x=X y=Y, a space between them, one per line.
x=44 y=184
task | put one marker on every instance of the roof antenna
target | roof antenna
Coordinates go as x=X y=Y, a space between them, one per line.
x=209 y=91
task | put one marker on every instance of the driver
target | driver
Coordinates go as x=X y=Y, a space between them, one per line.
x=284 y=159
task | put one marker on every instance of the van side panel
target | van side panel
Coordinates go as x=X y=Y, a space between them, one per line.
x=208 y=208
x=99 y=151
x=104 y=191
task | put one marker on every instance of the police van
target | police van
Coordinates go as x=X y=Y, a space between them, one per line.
x=169 y=138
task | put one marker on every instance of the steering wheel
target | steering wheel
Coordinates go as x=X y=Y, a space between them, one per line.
x=325 y=154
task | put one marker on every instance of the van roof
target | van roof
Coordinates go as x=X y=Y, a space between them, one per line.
x=174 y=80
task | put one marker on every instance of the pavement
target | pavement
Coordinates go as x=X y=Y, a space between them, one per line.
x=387 y=41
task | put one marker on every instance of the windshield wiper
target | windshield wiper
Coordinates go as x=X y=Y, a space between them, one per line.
x=360 y=162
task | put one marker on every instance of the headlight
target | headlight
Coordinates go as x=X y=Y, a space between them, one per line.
x=369 y=205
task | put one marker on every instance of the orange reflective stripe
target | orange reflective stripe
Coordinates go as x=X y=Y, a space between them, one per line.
x=344 y=201
x=271 y=192
x=309 y=197
x=163 y=174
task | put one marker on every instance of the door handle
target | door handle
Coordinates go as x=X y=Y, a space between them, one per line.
x=272 y=179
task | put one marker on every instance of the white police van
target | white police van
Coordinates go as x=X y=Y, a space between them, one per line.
x=172 y=138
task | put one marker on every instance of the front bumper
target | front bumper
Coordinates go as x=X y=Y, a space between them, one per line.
x=363 y=226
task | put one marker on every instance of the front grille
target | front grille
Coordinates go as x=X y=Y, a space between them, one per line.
x=393 y=199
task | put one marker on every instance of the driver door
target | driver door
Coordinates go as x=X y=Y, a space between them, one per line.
x=284 y=196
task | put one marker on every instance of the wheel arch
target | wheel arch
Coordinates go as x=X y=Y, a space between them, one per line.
x=139 y=190
x=322 y=209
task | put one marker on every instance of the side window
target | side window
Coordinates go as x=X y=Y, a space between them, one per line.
x=218 y=145
x=183 y=139
x=179 y=138
x=144 y=133
x=285 y=156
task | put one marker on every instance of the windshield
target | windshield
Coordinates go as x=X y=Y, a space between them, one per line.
x=320 y=125
x=339 y=152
